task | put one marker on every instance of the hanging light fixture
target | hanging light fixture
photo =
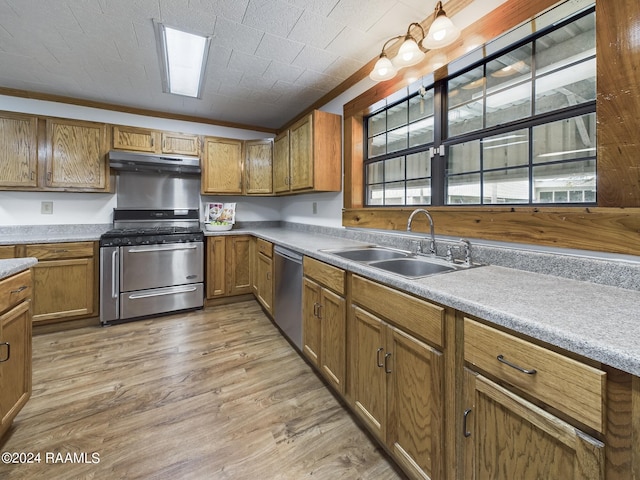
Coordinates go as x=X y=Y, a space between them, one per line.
x=412 y=51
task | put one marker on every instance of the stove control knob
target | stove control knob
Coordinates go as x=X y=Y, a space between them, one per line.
x=138 y=239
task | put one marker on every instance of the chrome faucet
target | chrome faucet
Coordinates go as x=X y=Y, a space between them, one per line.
x=432 y=245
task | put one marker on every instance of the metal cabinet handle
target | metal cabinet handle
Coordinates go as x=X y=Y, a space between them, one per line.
x=61 y=250
x=319 y=311
x=517 y=367
x=465 y=432
x=268 y=275
x=8 y=351
x=378 y=362
x=18 y=290
x=386 y=363
x=315 y=309
x=114 y=274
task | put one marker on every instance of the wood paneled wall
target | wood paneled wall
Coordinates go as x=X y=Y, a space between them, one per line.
x=614 y=226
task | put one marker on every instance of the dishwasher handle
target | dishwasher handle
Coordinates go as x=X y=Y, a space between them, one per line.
x=288 y=254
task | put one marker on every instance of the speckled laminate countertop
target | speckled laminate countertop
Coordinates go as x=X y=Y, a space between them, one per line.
x=15 y=265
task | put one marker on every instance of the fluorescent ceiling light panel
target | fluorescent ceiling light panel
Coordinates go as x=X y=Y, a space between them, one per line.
x=183 y=57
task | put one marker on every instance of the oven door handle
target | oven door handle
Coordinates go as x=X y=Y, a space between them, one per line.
x=135 y=296
x=114 y=273
x=159 y=248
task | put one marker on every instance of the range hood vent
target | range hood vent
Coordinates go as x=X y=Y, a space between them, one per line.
x=149 y=162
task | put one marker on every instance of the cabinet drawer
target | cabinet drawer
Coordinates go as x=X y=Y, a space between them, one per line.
x=331 y=277
x=417 y=316
x=559 y=381
x=15 y=289
x=264 y=247
x=48 y=251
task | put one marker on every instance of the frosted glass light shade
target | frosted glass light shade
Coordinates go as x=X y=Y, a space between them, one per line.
x=383 y=70
x=408 y=54
x=441 y=33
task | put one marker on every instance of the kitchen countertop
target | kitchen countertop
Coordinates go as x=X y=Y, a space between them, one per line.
x=597 y=321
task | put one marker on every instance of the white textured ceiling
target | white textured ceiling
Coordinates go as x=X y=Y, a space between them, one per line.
x=269 y=59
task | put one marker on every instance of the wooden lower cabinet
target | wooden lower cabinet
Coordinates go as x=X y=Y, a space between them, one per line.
x=263 y=278
x=15 y=346
x=64 y=281
x=397 y=384
x=228 y=266
x=7 y=251
x=324 y=316
x=507 y=437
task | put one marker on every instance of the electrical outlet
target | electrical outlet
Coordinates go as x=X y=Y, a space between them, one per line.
x=46 y=208
x=315 y=208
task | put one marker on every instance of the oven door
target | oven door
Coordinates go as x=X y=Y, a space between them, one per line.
x=152 y=266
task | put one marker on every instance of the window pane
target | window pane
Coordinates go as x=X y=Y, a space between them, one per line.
x=421 y=132
x=509 y=105
x=463 y=189
x=419 y=192
x=398 y=115
x=466 y=118
x=397 y=139
x=465 y=87
x=507 y=150
x=464 y=157
x=394 y=169
x=418 y=165
x=566 y=88
x=377 y=123
x=377 y=145
x=566 y=45
x=513 y=67
x=421 y=106
x=565 y=140
x=562 y=179
x=375 y=172
x=506 y=186
x=394 y=194
x=375 y=194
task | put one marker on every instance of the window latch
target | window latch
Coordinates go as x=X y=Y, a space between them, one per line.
x=436 y=151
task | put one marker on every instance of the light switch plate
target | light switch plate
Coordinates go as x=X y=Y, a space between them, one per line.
x=46 y=208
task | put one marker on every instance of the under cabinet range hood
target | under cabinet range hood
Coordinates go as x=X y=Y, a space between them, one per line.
x=151 y=162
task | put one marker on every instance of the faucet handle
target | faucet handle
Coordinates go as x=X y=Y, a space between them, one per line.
x=467 y=250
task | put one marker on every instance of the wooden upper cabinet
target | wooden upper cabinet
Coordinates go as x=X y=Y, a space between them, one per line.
x=281 y=163
x=222 y=166
x=76 y=155
x=258 y=168
x=314 y=156
x=154 y=141
x=18 y=150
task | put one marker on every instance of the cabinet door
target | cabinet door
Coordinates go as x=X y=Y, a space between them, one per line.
x=281 y=163
x=259 y=167
x=311 y=328
x=63 y=289
x=216 y=285
x=512 y=438
x=76 y=156
x=222 y=166
x=180 y=144
x=265 y=282
x=18 y=150
x=237 y=265
x=367 y=337
x=415 y=411
x=15 y=362
x=7 y=251
x=135 y=139
x=301 y=141
x=333 y=337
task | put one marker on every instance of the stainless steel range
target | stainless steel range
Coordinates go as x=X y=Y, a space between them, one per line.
x=152 y=261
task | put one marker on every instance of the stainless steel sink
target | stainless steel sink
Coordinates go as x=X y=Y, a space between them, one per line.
x=369 y=254
x=415 y=267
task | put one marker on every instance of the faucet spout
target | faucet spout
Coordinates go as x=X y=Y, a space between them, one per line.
x=432 y=242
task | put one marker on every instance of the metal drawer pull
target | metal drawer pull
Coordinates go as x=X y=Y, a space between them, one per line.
x=512 y=365
x=386 y=358
x=21 y=289
x=319 y=311
x=378 y=362
x=466 y=432
x=136 y=296
x=315 y=309
x=8 y=351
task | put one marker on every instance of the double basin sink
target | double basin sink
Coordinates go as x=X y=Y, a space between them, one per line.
x=400 y=262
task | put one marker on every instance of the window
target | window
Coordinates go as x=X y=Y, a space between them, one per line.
x=518 y=127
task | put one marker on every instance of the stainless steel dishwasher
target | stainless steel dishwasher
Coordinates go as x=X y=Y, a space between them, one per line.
x=288 y=294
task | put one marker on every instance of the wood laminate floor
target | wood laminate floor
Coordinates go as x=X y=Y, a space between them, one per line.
x=213 y=394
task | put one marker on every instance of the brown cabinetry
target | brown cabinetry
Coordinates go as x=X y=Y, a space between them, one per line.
x=264 y=273
x=18 y=150
x=7 y=251
x=324 y=320
x=155 y=141
x=258 y=169
x=222 y=166
x=228 y=265
x=508 y=424
x=308 y=156
x=397 y=377
x=15 y=346
x=64 y=281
